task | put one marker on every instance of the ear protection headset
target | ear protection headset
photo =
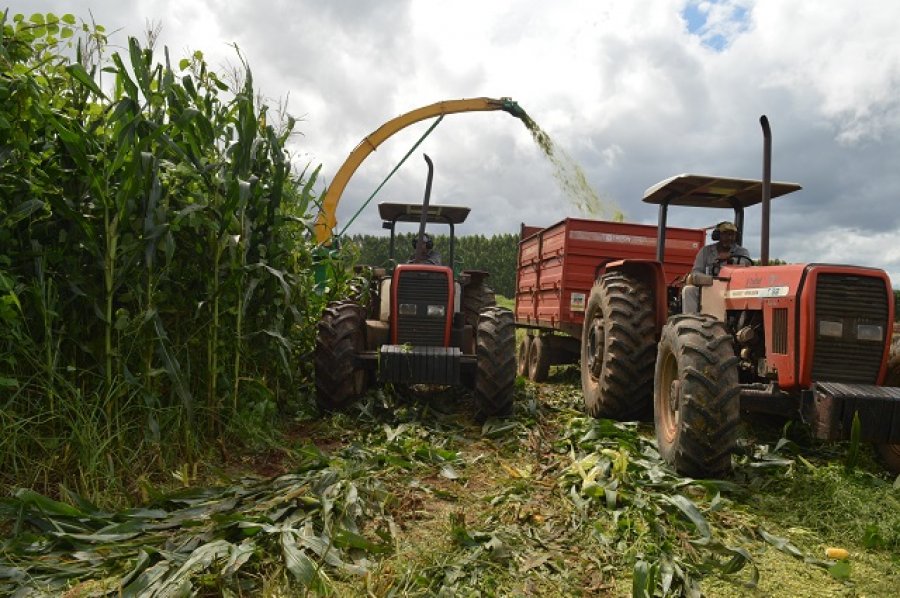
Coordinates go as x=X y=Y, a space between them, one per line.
x=724 y=225
x=429 y=243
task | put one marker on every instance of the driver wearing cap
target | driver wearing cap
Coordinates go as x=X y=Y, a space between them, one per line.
x=710 y=260
x=725 y=250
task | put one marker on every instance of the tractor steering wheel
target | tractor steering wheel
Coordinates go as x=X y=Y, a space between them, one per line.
x=740 y=260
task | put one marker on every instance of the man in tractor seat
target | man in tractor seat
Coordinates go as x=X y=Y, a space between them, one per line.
x=431 y=257
x=710 y=260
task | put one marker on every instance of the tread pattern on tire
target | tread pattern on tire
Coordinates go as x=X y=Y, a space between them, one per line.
x=710 y=395
x=475 y=298
x=340 y=335
x=890 y=453
x=624 y=389
x=496 y=368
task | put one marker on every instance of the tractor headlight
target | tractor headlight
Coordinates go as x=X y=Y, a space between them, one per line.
x=408 y=309
x=437 y=311
x=832 y=329
x=869 y=332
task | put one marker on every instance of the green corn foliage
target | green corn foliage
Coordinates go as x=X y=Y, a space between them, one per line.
x=154 y=256
x=853 y=453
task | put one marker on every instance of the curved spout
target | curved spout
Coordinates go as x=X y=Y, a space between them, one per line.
x=326 y=219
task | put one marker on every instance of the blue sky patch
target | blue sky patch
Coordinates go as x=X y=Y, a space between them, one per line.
x=716 y=22
x=695 y=18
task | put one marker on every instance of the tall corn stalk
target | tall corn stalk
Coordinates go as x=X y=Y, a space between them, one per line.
x=105 y=195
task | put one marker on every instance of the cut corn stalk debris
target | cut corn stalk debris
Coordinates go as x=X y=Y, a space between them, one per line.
x=415 y=502
x=194 y=537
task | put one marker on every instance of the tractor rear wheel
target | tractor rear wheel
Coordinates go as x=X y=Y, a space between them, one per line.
x=339 y=338
x=696 y=396
x=618 y=348
x=522 y=356
x=496 y=367
x=476 y=297
x=890 y=453
x=539 y=359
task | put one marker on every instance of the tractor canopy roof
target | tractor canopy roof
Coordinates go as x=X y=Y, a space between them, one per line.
x=412 y=212
x=702 y=191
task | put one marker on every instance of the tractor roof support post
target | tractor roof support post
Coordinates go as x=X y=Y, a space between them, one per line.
x=452 y=263
x=739 y=222
x=766 y=189
x=393 y=237
x=661 y=231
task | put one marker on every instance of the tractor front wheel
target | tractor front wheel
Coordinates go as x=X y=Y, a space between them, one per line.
x=696 y=396
x=890 y=453
x=496 y=366
x=339 y=338
x=618 y=347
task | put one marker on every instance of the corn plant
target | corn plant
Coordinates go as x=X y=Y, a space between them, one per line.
x=154 y=251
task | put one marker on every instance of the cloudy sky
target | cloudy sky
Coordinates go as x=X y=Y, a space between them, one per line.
x=634 y=91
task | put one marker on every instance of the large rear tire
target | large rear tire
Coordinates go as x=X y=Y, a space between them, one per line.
x=890 y=453
x=496 y=367
x=339 y=338
x=539 y=359
x=476 y=297
x=696 y=396
x=618 y=348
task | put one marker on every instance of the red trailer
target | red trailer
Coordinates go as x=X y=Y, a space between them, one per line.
x=557 y=267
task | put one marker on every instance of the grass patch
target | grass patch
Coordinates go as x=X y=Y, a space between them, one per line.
x=502 y=301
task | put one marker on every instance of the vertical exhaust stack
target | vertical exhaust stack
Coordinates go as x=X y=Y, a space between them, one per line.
x=766 y=189
x=420 y=240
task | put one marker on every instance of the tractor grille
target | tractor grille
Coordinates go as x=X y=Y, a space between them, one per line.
x=780 y=330
x=858 y=303
x=422 y=289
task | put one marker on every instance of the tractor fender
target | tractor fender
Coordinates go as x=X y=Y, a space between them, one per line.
x=651 y=273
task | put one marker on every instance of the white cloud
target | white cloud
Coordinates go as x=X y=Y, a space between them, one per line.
x=839 y=245
x=634 y=91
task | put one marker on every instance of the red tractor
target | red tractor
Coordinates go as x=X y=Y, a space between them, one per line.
x=418 y=324
x=809 y=341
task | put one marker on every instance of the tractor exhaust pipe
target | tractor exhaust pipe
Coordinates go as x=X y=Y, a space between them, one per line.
x=766 y=189
x=420 y=241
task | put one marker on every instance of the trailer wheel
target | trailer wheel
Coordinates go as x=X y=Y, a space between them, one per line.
x=340 y=336
x=539 y=359
x=496 y=367
x=618 y=348
x=522 y=356
x=475 y=298
x=890 y=453
x=696 y=396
